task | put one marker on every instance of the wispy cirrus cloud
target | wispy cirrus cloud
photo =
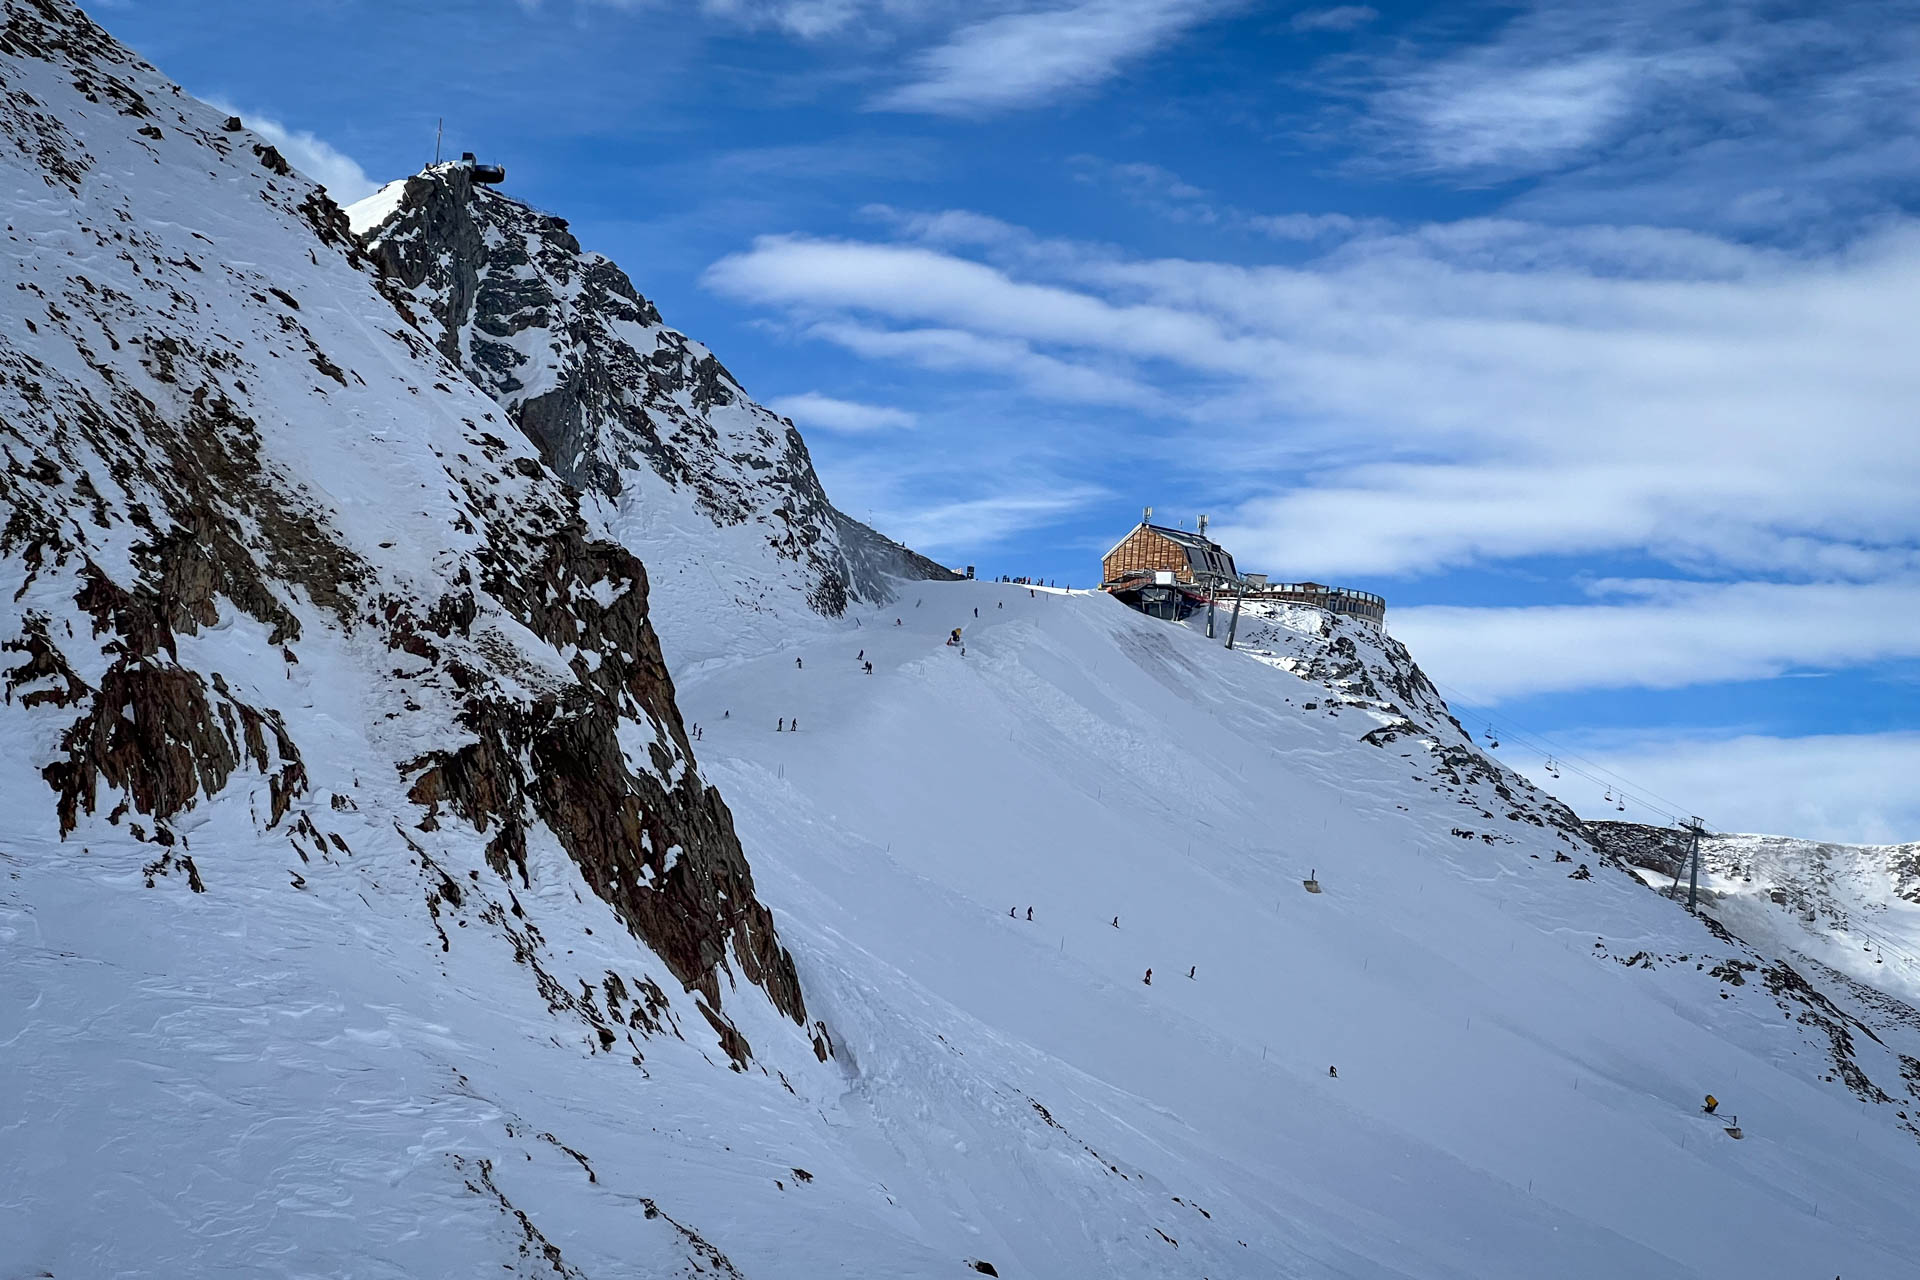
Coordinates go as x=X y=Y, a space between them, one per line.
x=827 y=413
x=1344 y=17
x=1726 y=408
x=1704 y=112
x=983 y=521
x=1022 y=59
x=1666 y=635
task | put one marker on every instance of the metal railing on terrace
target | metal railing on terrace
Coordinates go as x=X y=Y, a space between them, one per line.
x=1359 y=604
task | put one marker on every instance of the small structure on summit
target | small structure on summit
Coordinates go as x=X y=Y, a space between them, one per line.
x=485 y=174
x=1168 y=573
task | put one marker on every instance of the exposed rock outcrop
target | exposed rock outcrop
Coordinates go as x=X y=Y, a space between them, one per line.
x=619 y=405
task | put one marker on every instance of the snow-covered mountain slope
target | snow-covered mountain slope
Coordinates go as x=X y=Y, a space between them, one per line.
x=718 y=492
x=282 y=587
x=1521 y=1049
x=1852 y=908
x=1368 y=673
x=382 y=969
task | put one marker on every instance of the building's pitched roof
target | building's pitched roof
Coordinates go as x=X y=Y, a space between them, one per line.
x=1184 y=538
x=1192 y=541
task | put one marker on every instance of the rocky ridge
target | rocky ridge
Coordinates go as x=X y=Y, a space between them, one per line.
x=645 y=421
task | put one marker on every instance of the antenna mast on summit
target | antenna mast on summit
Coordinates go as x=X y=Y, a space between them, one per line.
x=438 y=129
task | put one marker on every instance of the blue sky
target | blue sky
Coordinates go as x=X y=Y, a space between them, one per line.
x=1585 y=334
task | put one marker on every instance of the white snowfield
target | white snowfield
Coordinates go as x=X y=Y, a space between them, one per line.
x=265 y=1079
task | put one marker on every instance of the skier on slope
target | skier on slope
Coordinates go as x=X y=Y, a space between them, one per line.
x=1148 y=980
x=1713 y=1104
x=798 y=664
x=1029 y=913
x=782 y=726
x=1333 y=1073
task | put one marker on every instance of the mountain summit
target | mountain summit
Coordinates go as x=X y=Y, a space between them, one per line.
x=642 y=419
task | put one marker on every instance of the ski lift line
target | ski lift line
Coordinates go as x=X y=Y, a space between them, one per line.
x=1638 y=794
x=1608 y=787
x=1551 y=750
x=1614 y=793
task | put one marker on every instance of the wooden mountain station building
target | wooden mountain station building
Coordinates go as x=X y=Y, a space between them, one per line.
x=1192 y=558
x=1170 y=572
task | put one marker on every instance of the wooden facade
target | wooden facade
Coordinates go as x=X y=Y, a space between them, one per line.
x=1189 y=557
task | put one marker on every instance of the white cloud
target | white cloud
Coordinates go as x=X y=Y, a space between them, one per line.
x=1710 y=112
x=1519 y=117
x=1663 y=635
x=1345 y=17
x=1726 y=408
x=825 y=413
x=1311 y=226
x=343 y=178
x=1016 y=60
x=1848 y=788
x=969 y=524
x=808 y=19
x=952 y=350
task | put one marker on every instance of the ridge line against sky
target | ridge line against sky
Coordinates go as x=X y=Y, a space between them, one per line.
x=1580 y=333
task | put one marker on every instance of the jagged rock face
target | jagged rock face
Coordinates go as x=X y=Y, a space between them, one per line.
x=1368 y=673
x=618 y=404
x=264 y=548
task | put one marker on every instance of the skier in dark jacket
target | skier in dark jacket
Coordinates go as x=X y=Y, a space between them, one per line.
x=1148 y=980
